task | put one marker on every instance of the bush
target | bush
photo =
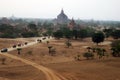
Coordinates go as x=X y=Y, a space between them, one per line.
x=116 y=34
x=3 y=60
x=77 y=58
x=68 y=43
x=29 y=52
x=52 y=50
x=47 y=42
x=115 y=48
x=88 y=55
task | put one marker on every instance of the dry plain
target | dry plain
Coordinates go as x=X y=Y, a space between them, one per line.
x=62 y=62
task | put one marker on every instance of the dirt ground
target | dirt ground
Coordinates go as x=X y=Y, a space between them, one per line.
x=63 y=62
x=17 y=70
x=5 y=43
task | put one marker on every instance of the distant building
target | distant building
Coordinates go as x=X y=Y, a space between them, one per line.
x=61 y=18
x=13 y=17
x=4 y=20
x=72 y=24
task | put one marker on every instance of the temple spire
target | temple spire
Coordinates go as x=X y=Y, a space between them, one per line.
x=62 y=11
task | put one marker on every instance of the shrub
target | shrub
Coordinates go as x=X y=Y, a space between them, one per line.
x=115 y=48
x=19 y=49
x=77 y=58
x=29 y=52
x=68 y=43
x=116 y=34
x=47 y=42
x=88 y=55
x=3 y=60
x=89 y=48
x=53 y=51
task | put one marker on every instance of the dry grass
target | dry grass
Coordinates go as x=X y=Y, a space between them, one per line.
x=63 y=61
x=5 y=43
x=16 y=70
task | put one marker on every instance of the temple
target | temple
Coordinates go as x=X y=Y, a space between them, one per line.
x=62 y=18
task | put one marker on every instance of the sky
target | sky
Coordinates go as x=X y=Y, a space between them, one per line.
x=78 y=9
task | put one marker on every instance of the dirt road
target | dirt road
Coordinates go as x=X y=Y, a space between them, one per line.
x=50 y=74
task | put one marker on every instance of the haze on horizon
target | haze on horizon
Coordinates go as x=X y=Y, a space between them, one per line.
x=78 y=9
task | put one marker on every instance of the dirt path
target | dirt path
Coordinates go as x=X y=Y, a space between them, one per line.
x=50 y=75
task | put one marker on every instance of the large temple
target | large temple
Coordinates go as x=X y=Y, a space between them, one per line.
x=61 y=18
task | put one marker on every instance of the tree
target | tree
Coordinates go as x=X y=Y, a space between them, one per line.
x=108 y=32
x=75 y=34
x=29 y=34
x=58 y=34
x=50 y=47
x=49 y=32
x=98 y=37
x=19 y=50
x=115 y=48
x=116 y=34
x=68 y=34
x=32 y=27
x=52 y=50
x=83 y=33
x=8 y=31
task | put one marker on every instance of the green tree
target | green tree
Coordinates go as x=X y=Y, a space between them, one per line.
x=29 y=34
x=116 y=34
x=58 y=34
x=108 y=32
x=32 y=27
x=98 y=37
x=115 y=47
x=19 y=50
x=52 y=50
x=49 y=32
x=68 y=34
x=50 y=47
x=83 y=33
x=75 y=34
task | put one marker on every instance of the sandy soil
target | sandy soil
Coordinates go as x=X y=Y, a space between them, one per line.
x=17 y=70
x=63 y=61
x=5 y=43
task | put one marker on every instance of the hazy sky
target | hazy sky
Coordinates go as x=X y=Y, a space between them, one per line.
x=82 y=9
